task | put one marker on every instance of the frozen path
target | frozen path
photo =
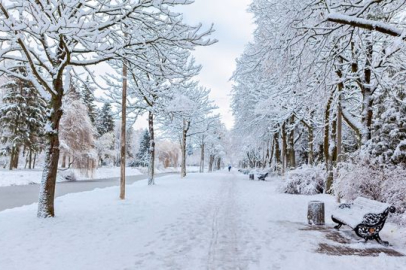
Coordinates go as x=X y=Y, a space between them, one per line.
x=16 y=196
x=206 y=221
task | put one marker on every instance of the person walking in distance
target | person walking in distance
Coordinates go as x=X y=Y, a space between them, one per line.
x=229 y=167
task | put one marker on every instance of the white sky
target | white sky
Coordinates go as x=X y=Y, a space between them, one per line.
x=234 y=29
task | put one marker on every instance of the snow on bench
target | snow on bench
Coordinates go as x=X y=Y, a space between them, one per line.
x=366 y=217
x=263 y=176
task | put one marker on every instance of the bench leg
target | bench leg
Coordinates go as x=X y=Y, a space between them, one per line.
x=339 y=224
x=380 y=241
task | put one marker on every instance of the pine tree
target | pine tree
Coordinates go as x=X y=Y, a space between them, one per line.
x=388 y=142
x=105 y=121
x=22 y=117
x=129 y=138
x=142 y=157
x=87 y=94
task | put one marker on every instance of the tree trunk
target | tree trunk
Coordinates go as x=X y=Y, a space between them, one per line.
x=48 y=182
x=35 y=160
x=291 y=145
x=339 y=133
x=201 y=158
x=366 y=91
x=16 y=157
x=219 y=164
x=310 y=133
x=151 y=167
x=277 y=152
x=284 y=148
x=30 y=160
x=211 y=161
x=11 y=158
x=183 y=148
x=326 y=147
x=123 y=131
x=271 y=152
x=333 y=147
x=339 y=128
x=15 y=153
x=64 y=160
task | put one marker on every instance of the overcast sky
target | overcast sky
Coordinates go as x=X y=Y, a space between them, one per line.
x=234 y=27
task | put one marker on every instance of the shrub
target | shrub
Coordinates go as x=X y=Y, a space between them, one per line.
x=305 y=180
x=367 y=179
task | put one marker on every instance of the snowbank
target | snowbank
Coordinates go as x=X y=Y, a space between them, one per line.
x=27 y=177
x=206 y=221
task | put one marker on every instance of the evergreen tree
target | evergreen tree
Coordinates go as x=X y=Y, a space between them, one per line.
x=105 y=121
x=87 y=94
x=22 y=117
x=129 y=142
x=142 y=157
x=388 y=142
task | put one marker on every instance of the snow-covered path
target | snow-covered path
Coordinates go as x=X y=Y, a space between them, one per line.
x=207 y=221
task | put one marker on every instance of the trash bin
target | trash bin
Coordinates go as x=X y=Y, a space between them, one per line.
x=315 y=213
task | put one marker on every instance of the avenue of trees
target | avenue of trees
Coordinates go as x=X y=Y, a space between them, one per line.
x=48 y=50
x=323 y=85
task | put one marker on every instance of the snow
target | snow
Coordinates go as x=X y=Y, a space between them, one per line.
x=27 y=177
x=205 y=221
x=353 y=215
x=376 y=25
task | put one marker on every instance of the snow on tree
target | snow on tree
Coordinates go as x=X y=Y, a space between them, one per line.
x=22 y=117
x=142 y=156
x=52 y=39
x=149 y=90
x=187 y=113
x=388 y=143
x=305 y=90
x=105 y=120
x=87 y=93
x=215 y=145
x=77 y=135
x=168 y=153
x=106 y=151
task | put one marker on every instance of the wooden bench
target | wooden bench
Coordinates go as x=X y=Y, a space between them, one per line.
x=262 y=176
x=366 y=217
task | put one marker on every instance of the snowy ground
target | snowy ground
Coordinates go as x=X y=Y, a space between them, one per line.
x=189 y=169
x=207 y=221
x=27 y=177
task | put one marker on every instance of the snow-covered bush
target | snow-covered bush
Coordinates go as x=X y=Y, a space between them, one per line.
x=358 y=179
x=394 y=193
x=367 y=179
x=305 y=180
x=68 y=175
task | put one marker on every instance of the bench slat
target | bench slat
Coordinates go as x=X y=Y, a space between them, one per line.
x=370 y=205
x=361 y=206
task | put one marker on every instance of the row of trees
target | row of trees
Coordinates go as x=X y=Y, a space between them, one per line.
x=88 y=134
x=22 y=117
x=322 y=81
x=144 y=41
